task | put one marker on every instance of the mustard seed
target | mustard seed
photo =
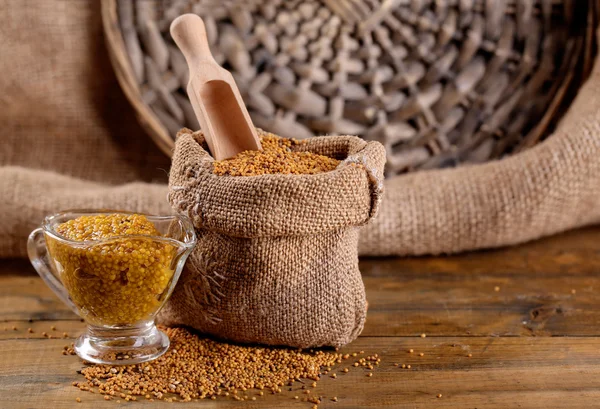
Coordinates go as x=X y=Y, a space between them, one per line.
x=407 y=366
x=279 y=155
x=423 y=335
x=53 y=328
x=439 y=395
x=30 y=330
x=188 y=370
x=410 y=351
x=496 y=288
x=78 y=400
x=335 y=399
x=470 y=355
x=14 y=328
x=403 y=366
x=117 y=282
x=370 y=374
x=421 y=354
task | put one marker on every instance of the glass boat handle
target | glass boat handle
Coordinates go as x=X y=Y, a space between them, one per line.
x=38 y=255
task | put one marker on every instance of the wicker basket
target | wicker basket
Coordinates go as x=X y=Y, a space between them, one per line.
x=438 y=83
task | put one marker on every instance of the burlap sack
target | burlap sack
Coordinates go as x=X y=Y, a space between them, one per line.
x=276 y=260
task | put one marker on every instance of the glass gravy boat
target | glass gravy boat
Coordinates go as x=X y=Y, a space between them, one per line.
x=117 y=285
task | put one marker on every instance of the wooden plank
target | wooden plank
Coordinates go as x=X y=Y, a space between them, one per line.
x=452 y=299
x=503 y=373
x=546 y=287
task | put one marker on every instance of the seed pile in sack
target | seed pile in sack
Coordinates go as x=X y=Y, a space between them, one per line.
x=276 y=260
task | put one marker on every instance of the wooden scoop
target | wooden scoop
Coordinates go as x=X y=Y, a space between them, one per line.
x=215 y=98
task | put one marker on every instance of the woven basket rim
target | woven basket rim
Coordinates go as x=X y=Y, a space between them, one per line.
x=584 y=58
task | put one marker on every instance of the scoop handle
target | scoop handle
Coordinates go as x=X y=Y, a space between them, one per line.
x=189 y=33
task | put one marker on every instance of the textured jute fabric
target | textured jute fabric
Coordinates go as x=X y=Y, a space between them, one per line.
x=67 y=130
x=68 y=136
x=276 y=260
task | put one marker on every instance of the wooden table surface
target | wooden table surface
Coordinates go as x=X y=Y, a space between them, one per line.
x=528 y=315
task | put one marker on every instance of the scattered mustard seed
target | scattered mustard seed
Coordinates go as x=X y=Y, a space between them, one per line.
x=407 y=366
x=421 y=354
x=423 y=335
x=78 y=400
x=53 y=328
x=335 y=399
x=439 y=395
x=14 y=327
x=188 y=370
x=30 y=330
x=410 y=351
x=470 y=355
x=496 y=288
x=370 y=374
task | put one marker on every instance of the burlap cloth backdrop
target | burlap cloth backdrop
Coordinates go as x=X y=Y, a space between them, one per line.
x=70 y=140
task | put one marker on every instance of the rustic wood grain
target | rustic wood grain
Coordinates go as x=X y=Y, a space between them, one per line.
x=534 y=343
x=503 y=372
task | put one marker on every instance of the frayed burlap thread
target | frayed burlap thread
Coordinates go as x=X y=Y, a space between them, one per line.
x=276 y=261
